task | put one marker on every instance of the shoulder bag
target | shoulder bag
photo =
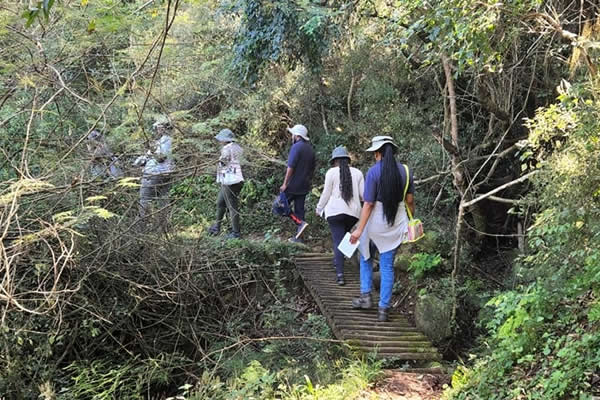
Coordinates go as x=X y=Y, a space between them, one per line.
x=415 y=226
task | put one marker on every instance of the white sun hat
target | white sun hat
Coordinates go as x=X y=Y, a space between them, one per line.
x=379 y=141
x=299 y=130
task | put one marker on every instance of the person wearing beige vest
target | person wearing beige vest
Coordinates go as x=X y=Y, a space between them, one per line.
x=340 y=202
x=229 y=176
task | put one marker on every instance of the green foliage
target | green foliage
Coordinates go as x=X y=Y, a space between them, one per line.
x=422 y=263
x=41 y=9
x=108 y=379
x=288 y=33
x=258 y=382
x=541 y=334
x=254 y=382
x=473 y=35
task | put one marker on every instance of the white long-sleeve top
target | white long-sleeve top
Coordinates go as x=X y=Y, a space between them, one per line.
x=331 y=201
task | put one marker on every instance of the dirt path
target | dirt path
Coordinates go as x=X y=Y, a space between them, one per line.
x=408 y=386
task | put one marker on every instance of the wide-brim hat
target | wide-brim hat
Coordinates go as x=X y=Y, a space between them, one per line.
x=339 y=152
x=299 y=130
x=162 y=122
x=94 y=135
x=378 y=141
x=225 y=135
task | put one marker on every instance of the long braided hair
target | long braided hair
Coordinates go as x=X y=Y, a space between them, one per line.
x=390 y=185
x=345 y=179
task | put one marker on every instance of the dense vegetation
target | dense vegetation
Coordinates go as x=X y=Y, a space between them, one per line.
x=494 y=104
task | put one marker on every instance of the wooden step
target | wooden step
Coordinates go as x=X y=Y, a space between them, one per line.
x=381 y=328
x=406 y=356
x=401 y=336
x=401 y=344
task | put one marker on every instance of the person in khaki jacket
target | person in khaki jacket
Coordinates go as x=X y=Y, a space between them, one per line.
x=229 y=175
x=340 y=202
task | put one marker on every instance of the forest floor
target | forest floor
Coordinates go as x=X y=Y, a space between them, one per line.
x=397 y=385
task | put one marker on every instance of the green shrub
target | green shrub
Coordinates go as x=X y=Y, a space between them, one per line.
x=422 y=263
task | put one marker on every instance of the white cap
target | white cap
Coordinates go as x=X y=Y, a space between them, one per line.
x=299 y=130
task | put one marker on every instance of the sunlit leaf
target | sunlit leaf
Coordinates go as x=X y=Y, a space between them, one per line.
x=102 y=212
x=92 y=199
x=63 y=216
x=129 y=182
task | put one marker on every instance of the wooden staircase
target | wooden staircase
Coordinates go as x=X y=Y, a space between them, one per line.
x=396 y=338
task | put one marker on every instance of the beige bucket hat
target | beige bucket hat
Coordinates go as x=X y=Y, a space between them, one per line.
x=339 y=152
x=225 y=135
x=379 y=141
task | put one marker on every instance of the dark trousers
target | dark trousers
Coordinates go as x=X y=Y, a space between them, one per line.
x=298 y=200
x=229 y=199
x=154 y=188
x=339 y=225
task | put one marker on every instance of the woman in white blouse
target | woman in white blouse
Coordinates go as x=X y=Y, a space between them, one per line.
x=340 y=202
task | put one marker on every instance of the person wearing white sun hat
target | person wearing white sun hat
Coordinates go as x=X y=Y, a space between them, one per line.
x=383 y=220
x=157 y=166
x=229 y=175
x=298 y=176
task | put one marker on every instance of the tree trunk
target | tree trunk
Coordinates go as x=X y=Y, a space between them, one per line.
x=322 y=106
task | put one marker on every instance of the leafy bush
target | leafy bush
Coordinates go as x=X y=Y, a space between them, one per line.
x=542 y=334
x=422 y=263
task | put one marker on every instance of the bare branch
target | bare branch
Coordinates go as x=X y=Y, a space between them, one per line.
x=498 y=189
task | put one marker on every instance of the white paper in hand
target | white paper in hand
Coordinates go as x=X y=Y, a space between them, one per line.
x=346 y=247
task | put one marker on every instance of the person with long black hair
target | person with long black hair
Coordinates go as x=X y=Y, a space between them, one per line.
x=383 y=220
x=340 y=202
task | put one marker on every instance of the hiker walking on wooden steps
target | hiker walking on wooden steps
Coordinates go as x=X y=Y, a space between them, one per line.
x=298 y=176
x=340 y=202
x=383 y=220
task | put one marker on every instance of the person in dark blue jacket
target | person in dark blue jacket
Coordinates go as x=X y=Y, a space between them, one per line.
x=298 y=176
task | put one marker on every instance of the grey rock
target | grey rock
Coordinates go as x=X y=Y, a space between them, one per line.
x=432 y=317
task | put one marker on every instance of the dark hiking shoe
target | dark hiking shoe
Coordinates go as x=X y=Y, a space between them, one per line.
x=382 y=314
x=301 y=229
x=233 y=235
x=340 y=280
x=214 y=230
x=364 y=301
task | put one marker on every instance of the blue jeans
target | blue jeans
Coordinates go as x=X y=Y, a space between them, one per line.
x=386 y=269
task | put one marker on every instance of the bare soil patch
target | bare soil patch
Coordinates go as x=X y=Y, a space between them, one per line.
x=399 y=385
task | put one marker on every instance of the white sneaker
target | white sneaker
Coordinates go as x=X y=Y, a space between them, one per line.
x=301 y=229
